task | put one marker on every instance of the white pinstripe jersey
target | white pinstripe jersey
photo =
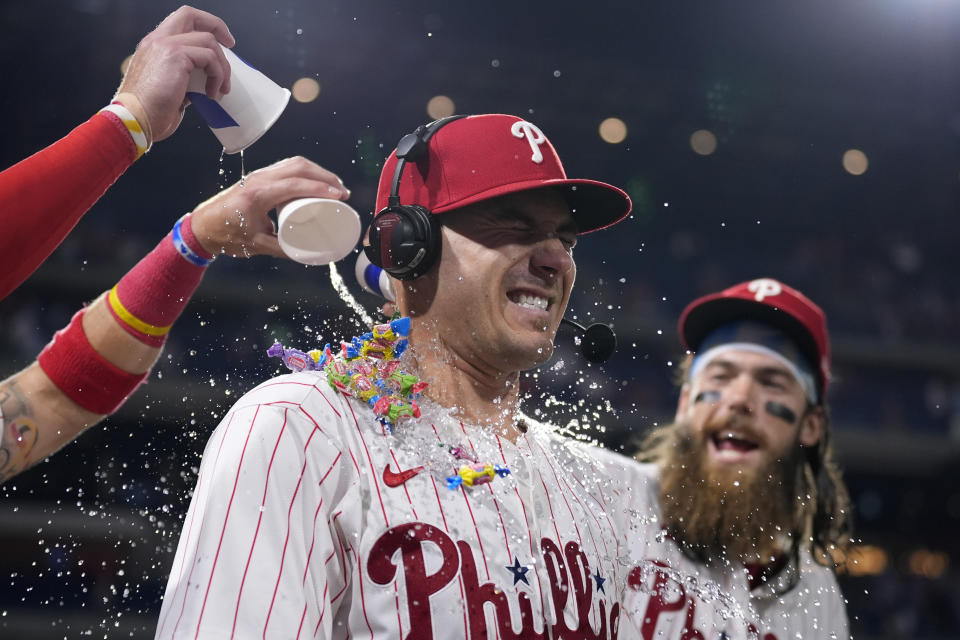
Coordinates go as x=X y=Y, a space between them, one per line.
x=294 y=531
x=671 y=596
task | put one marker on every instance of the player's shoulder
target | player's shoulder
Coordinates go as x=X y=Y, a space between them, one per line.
x=818 y=595
x=591 y=456
x=307 y=393
x=815 y=575
x=292 y=387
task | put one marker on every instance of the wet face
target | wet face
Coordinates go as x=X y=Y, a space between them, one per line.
x=503 y=280
x=746 y=410
x=730 y=475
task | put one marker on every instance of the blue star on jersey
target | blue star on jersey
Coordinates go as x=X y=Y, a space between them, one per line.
x=519 y=571
x=600 y=581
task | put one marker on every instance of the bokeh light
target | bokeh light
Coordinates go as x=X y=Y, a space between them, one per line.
x=855 y=162
x=926 y=563
x=863 y=560
x=305 y=90
x=125 y=64
x=613 y=130
x=440 y=107
x=703 y=142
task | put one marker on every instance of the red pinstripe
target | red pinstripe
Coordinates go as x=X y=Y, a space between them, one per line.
x=396 y=595
x=339 y=593
x=596 y=549
x=311 y=419
x=190 y=527
x=526 y=521
x=556 y=479
x=343 y=561
x=503 y=525
x=496 y=503
x=447 y=529
x=322 y=613
x=343 y=555
x=363 y=600
x=286 y=541
x=373 y=472
x=596 y=520
x=301 y=384
x=533 y=553
x=253 y=543
x=483 y=554
x=573 y=518
x=280 y=402
x=226 y=518
x=606 y=514
x=466 y=500
x=602 y=501
x=303 y=617
x=313 y=537
x=443 y=516
x=553 y=517
x=405 y=490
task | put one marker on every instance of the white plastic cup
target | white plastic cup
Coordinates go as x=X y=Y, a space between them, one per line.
x=240 y=117
x=317 y=230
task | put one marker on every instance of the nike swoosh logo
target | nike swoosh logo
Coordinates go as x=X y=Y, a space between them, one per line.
x=392 y=479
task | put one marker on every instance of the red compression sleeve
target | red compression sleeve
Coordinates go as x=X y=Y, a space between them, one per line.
x=43 y=197
x=82 y=374
x=152 y=295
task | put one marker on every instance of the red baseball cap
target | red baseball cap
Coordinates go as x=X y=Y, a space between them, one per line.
x=484 y=156
x=768 y=301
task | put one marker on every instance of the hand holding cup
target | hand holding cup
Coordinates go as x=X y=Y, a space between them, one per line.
x=155 y=84
x=236 y=221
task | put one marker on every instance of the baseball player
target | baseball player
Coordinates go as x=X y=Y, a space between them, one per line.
x=742 y=485
x=391 y=488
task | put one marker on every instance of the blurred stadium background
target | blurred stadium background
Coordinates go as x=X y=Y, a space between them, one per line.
x=815 y=142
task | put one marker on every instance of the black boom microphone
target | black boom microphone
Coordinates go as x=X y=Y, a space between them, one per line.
x=597 y=342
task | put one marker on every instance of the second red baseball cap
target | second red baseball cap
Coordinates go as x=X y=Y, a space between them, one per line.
x=484 y=156
x=768 y=301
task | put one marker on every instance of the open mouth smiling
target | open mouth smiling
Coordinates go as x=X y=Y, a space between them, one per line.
x=732 y=446
x=528 y=300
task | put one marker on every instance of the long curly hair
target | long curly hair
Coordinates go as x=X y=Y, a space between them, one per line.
x=827 y=523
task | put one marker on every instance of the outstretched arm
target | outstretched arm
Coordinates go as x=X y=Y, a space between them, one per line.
x=100 y=358
x=43 y=197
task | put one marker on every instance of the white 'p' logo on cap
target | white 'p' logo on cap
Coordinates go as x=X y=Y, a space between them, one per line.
x=764 y=287
x=535 y=137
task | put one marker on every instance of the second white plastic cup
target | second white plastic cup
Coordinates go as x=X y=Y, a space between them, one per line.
x=317 y=230
x=240 y=117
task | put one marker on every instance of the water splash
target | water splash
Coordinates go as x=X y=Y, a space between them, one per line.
x=341 y=288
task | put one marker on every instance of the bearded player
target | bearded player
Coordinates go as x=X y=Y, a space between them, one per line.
x=392 y=488
x=743 y=484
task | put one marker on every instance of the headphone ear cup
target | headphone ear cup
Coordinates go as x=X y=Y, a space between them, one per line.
x=404 y=241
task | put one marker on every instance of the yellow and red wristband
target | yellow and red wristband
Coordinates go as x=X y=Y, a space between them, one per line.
x=151 y=296
x=82 y=374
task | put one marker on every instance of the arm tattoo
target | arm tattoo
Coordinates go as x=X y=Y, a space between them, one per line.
x=20 y=433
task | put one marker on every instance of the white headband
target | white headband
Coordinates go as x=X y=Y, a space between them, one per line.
x=805 y=379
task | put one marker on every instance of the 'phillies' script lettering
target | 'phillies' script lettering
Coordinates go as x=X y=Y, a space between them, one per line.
x=568 y=572
x=678 y=601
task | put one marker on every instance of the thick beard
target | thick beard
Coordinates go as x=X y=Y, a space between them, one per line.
x=712 y=519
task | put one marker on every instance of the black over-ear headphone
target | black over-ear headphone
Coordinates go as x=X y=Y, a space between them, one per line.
x=404 y=239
